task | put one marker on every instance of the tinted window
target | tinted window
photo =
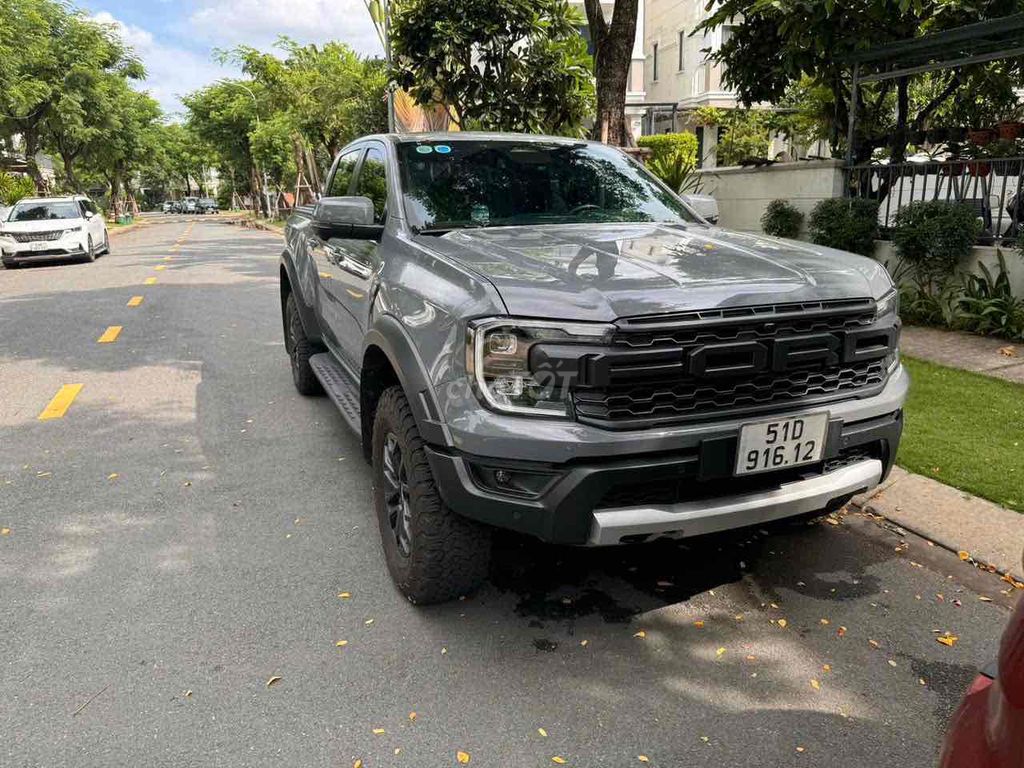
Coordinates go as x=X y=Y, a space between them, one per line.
x=45 y=211
x=342 y=180
x=373 y=182
x=505 y=183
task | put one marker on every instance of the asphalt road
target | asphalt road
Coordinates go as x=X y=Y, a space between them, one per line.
x=180 y=536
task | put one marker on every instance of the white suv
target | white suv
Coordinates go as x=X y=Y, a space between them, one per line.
x=46 y=228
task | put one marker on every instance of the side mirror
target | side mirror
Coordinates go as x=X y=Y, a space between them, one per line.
x=89 y=214
x=346 y=217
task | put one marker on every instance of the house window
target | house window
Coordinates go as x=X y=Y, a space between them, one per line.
x=654 y=62
x=682 y=57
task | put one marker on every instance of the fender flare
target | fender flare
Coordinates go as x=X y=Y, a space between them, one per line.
x=307 y=315
x=388 y=335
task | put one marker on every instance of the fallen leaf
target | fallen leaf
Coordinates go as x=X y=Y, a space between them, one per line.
x=826 y=668
x=782 y=623
x=892 y=663
x=705 y=739
x=113 y=476
x=542 y=732
x=948 y=640
x=273 y=680
x=398 y=750
x=357 y=764
x=462 y=757
x=963 y=555
x=985 y=599
x=873 y=643
x=5 y=531
x=921 y=681
x=1008 y=351
x=344 y=595
x=841 y=632
x=378 y=731
x=699 y=624
x=800 y=749
x=368 y=622
x=412 y=715
x=444 y=651
x=559 y=760
x=188 y=693
x=584 y=643
x=643 y=758
x=341 y=643
x=751 y=658
x=823 y=622
x=641 y=634
x=719 y=652
x=815 y=685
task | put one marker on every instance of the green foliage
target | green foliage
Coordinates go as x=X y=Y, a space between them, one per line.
x=664 y=145
x=934 y=237
x=988 y=305
x=513 y=65
x=678 y=170
x=781 y=219
x=782 y=43
x=747 y=132
x=14 y=188
x=849 y=224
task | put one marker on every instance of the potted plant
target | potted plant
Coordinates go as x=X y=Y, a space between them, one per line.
x=1010 y=127
x=981 y=136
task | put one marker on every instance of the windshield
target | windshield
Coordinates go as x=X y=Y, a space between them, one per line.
x=36 y=211
x=468 y=183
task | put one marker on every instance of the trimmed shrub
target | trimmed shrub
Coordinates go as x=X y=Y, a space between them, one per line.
x=935 y=236
x=781 y=219
x=665 y=145
x=849 y=224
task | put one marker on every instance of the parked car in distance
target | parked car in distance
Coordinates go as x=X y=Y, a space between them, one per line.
x=987 y=730
x=207 y=205
x=533 y=333
x=190 y=205
x=167 y=206
x=46 y=228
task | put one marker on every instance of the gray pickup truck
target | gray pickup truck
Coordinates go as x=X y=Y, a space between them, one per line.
x=533 y=333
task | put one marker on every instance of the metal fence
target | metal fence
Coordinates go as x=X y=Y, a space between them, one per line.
x=990 y=186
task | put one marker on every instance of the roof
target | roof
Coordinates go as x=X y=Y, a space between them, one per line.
x=452 y=136
x=60 y=199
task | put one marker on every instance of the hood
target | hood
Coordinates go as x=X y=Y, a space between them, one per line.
x=608 y=271
x=47 y=225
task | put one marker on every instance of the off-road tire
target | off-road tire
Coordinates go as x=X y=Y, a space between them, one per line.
x=448 y=554
x=299 y=351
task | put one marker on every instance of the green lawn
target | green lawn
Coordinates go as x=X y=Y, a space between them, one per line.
x=965 y=430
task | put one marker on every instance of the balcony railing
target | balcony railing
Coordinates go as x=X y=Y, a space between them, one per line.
x=990 y=186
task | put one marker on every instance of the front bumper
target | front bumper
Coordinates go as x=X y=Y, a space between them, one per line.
x=684 y=490
x=58 y=249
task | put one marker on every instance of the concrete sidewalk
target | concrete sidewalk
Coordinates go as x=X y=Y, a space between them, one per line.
x=988 y=533
x=982 y=354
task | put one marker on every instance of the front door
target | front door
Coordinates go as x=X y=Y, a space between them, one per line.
x=334 y=317
x=355 y=261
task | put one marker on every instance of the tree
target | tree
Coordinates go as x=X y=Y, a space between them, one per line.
x=613 y=56
x=512 y=65
x=787 y=43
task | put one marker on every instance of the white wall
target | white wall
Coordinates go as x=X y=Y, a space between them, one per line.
x=744 y=193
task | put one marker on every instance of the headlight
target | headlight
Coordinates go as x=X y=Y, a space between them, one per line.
x=888 y=305
x=498 y=360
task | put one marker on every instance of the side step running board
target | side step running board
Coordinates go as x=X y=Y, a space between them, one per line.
x=339 y=386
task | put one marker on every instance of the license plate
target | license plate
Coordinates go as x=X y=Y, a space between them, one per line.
x=39 y=245
x=769 y=445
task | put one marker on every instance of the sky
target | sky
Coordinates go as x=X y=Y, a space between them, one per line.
x=176 y=39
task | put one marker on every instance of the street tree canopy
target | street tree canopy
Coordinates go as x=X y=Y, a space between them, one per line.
x=786 y=44
x=498 y=65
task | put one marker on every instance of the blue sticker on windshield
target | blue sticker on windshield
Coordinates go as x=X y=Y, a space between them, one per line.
x=442 y=149
x=424 y=149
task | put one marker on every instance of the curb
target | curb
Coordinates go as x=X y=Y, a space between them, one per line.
x=254 y=224
x=979 y=531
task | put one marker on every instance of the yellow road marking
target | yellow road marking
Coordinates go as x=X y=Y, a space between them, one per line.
x=160 y=267
x=61 y=402
x=149 y=281
x=110 y=335
x=168 y=258
x=134 y=301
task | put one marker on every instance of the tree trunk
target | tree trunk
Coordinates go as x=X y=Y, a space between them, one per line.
x=69 y=172
x=31 y=138
x=613 y=57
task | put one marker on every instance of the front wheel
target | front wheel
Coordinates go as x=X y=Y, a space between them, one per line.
x=90 y=250
x=432 y=554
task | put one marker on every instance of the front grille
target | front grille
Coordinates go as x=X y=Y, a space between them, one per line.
x=37 y=237
x=691 y=398
x=647 y=376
